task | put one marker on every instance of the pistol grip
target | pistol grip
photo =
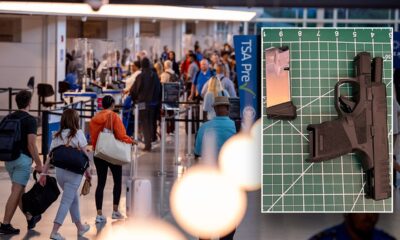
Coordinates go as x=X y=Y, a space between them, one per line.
x=328 y=140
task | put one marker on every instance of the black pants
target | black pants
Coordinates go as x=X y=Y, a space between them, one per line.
x=148 y=122
x=102 y=168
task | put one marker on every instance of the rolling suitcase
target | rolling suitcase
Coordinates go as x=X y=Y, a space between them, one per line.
x=138 y=197
x=39 y=198
x=138 y=190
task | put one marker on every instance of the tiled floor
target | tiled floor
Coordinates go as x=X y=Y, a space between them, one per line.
x=255 y=226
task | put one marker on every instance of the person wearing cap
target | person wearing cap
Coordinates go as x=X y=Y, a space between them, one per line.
x=221 y=126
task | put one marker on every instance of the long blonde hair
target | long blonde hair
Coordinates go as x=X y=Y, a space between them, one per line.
x=214 y=86
x=159 y=68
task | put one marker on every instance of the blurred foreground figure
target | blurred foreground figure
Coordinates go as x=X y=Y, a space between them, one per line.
x=356 y=226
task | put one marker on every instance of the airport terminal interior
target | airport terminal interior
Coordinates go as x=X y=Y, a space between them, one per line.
x=75 y=54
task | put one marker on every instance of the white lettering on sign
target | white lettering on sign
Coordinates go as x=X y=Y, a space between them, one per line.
x=245 y=52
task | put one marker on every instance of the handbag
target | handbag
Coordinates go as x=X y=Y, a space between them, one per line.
x=112 y=150
x=86 y=187
x=69 y=158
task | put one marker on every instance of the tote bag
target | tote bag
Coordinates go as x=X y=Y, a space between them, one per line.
x=112 y=150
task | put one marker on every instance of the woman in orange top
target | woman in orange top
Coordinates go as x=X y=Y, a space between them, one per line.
x=100 y=121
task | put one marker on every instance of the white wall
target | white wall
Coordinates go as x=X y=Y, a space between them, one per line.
x=167 y=35
x=19 y=61
x=115 y=30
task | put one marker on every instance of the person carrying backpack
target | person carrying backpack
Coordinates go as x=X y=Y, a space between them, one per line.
x=168 y=75
x=18 y=148
x=70 y=135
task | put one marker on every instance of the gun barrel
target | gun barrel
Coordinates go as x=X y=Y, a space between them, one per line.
x=377 y=70
x=362 y=63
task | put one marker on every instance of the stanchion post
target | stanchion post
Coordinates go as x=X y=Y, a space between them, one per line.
x=9 y=100
x=82 y=116
x=176 y=113
x=45 y=135
x=163 y=133
x=201 y=113
x=189 y=135
x=92 y=106
x=133 y=172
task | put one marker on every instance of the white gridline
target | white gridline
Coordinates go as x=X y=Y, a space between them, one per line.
x=303 y=137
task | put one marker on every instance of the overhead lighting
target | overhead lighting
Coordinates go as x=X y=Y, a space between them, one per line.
x=126 y=11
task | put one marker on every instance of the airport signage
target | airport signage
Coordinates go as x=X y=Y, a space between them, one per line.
x=248 y=73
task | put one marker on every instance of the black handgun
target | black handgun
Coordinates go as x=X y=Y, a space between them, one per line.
x=360 y=128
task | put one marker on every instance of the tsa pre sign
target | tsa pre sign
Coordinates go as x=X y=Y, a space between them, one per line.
x=247 y=69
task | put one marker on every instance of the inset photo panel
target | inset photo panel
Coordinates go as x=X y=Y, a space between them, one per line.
x=327 y=120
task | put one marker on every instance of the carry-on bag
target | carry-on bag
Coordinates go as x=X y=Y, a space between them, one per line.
x=138 y=190
x=112 y=150
x=69 y=158
x=39 y=197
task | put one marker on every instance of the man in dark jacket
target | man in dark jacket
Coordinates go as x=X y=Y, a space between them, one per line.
x=146 y=92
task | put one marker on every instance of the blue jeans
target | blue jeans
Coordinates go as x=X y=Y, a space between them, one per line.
x=69 y=183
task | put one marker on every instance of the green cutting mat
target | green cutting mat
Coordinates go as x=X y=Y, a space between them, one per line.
x=319 y=58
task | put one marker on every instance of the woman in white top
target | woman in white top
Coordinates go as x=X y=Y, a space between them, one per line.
x=214 y=89
x=69 y=134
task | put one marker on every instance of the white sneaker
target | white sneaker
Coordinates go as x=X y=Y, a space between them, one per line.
x=117 y=215
x=85 y=228
x=56 y=236
x=101 y=219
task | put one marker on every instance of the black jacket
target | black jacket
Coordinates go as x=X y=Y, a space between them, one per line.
x=147 y=88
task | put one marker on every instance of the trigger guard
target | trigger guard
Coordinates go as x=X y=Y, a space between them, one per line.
x=341 y=99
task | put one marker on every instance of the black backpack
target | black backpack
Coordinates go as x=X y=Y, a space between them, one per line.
x=10 y=137
x=173 y=77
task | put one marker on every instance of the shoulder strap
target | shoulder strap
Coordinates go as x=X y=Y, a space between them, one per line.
x=109 y=119
x=112 y=120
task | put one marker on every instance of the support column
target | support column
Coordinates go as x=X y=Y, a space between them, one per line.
x=61 y=32
x=136 y=34
x=45 y=43
x=246 y=28
x=179 y=32
x=305 y=13
x=335 y=17
x=320 y=17
x=125 y=33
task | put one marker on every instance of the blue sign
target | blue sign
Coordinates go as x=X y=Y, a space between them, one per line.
x=396 y=50
x=247 y=57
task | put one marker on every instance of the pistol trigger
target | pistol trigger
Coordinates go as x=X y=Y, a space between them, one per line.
x=346 y=104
